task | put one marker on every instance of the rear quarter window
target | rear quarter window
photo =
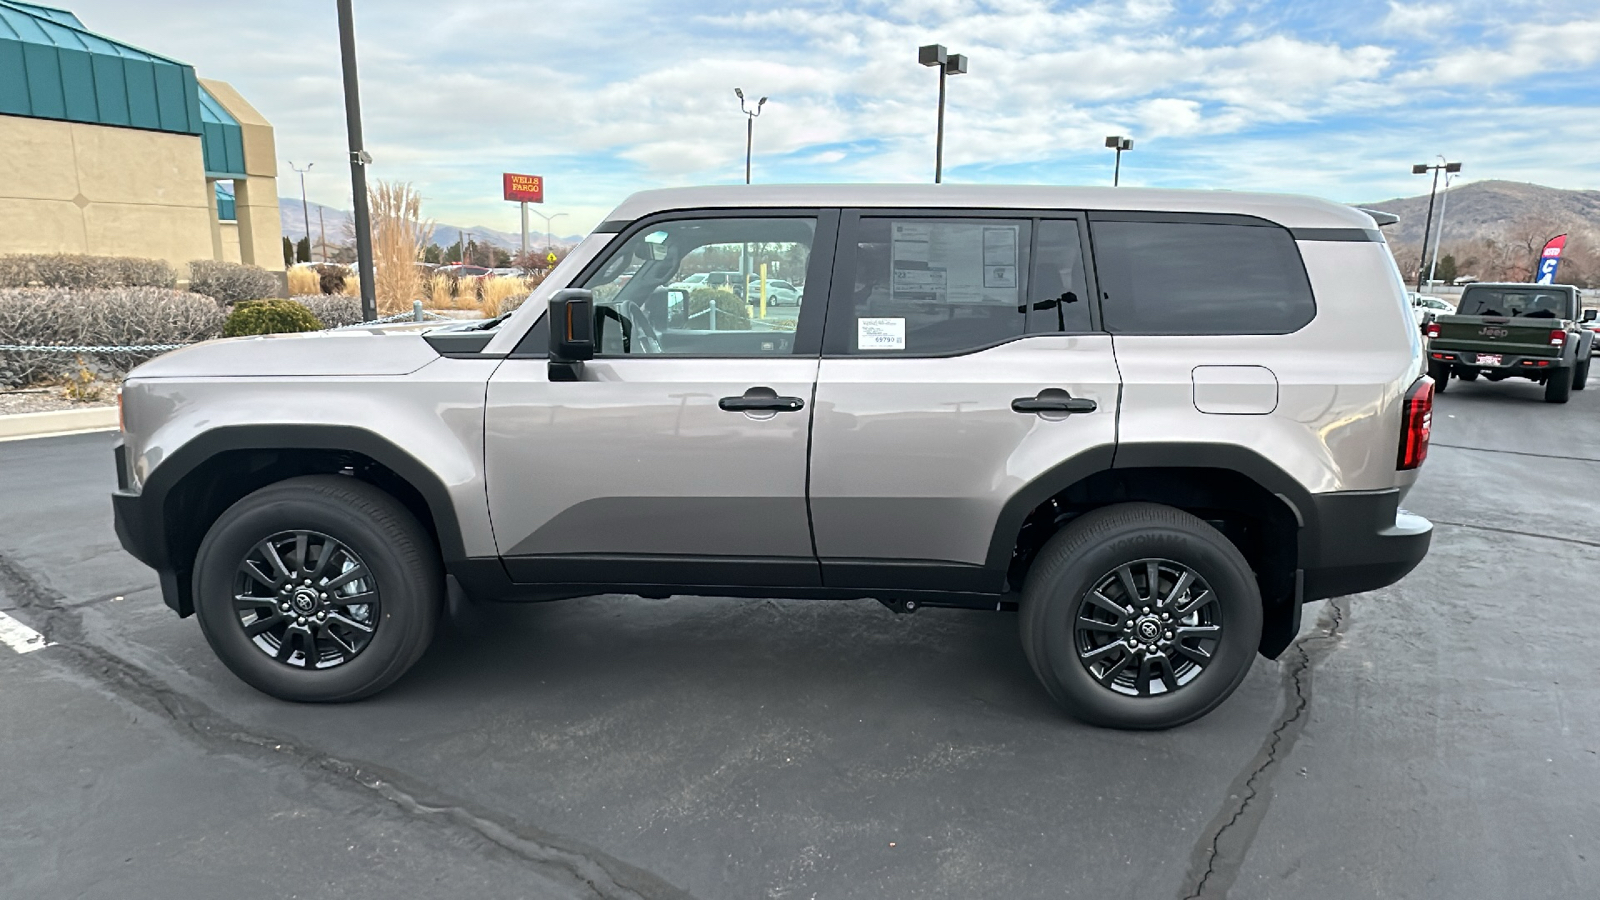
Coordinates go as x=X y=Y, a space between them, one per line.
x=1200 y=278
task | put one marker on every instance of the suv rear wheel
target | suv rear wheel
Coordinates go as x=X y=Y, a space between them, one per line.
x=1140 y=616
x=321 y=588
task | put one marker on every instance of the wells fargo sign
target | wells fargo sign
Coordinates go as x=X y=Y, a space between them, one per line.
x=524 y=188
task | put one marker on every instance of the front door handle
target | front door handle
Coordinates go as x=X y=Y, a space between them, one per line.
x=761 y=399
x=1054 y=400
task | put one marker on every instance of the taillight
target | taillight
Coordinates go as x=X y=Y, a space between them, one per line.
x=1418 y=424
x=1558 y=337
x=1432 y=329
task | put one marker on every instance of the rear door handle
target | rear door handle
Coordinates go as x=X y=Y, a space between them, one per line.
x=761 y=399
x=1054 y=400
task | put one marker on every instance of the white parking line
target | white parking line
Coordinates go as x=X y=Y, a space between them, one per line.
x=20 y=637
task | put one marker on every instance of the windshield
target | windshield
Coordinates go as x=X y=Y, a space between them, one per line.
x=1529 y=303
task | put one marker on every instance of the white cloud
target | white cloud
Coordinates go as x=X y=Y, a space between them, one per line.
x=609 y=96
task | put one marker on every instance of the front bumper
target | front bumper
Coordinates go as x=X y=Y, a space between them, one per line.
x=139 y=526
x=1362 y=541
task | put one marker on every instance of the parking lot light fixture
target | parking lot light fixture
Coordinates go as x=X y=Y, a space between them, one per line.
x=1118 y=143
x=749 y=127
x=1450 y=171
x=948 y=63
x=1427 y=226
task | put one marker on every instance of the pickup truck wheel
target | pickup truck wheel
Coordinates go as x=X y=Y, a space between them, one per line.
x=1440 y=373
x=1580 y=375
x=1140 y=616
x=1558 y=388
x=320 y=589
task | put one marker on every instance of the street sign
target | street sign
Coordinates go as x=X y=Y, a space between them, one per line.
x=551 y=259
x=524 y=188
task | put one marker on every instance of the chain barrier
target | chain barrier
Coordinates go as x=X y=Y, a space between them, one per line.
x=163 y=348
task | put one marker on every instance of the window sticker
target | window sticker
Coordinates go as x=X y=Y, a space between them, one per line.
x=954 y=262
x=880 y=333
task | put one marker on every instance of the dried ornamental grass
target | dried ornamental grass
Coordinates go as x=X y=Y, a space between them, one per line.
x=499 y=294
x=304 y=281
x=398 y=236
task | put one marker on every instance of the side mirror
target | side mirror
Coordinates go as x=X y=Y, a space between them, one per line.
x=571 y=333
x=1589 y=315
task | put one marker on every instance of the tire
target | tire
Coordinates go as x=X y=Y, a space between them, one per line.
x=1440 y=373
x=1558 y=388
x=1580 y=375
x=1088 y=552
x=1467 y=374
x=350 y=525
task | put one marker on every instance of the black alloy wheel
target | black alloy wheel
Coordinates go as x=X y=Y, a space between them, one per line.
x=307 y=600
x=1148 y=627
x=319 y=588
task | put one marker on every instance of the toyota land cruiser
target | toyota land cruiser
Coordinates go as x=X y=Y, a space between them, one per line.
x=1154 y=423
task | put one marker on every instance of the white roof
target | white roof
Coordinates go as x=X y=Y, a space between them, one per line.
x=1289 y=210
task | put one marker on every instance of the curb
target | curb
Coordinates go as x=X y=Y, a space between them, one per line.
x=50 y=424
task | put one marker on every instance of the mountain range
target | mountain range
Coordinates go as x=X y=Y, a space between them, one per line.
x=1482 y=208
x=335 y=223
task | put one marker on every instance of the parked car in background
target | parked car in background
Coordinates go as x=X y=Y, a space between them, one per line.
x=779 y=292
x=1425 y=309
x=1505 y=331
x=457 y=270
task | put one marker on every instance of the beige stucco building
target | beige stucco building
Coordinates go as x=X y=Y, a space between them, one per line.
x=111 y=150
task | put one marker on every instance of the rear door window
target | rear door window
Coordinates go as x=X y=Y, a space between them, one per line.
x=1200 y=278
x=934 y=286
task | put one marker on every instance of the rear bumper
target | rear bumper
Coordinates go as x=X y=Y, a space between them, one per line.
x=1362 y=541
x=1509 y=363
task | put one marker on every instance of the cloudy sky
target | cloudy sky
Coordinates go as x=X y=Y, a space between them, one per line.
x=604 y=97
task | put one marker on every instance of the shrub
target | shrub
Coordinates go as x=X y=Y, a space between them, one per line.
x=732 y=314
x=333 y=311
x=77 y=270
x=97 y=317
x=227 y=282
x=269 y=317
x=331 y=279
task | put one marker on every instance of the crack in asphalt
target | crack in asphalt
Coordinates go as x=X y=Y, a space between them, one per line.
x=1513 y=452
x=1219 y=853
x=582 y=871
x=1515 y=532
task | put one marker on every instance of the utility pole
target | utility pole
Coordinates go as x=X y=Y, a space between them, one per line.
x=305 y=213
x=749 y=127
x=359 y=160
x=1427 y=227
x=949 y=64
x=322 y=229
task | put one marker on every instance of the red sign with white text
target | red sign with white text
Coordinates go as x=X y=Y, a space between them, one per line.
x=524 y=188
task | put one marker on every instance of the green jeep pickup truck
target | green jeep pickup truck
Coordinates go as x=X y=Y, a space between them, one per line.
x=1502 y=331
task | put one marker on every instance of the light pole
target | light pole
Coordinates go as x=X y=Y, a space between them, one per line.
x=1444 y=203
x=949 y=64
x=359 y=160
x=1118 y=143
x=547 y=220
x=1427 y=226
x=304 y=212
x=749 y=127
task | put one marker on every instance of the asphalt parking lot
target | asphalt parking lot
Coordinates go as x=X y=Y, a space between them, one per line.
x=1440 y=738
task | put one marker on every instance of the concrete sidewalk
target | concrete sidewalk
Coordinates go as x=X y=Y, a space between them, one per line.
x=19 y=426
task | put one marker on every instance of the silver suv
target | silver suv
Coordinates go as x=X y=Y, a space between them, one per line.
x=1152 y=422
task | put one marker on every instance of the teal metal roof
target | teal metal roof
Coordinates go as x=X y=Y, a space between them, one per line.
x=52 y=67
x=221 y=138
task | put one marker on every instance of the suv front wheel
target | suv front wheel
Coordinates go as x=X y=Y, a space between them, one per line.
x=1140 y=616
x=320 y=588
